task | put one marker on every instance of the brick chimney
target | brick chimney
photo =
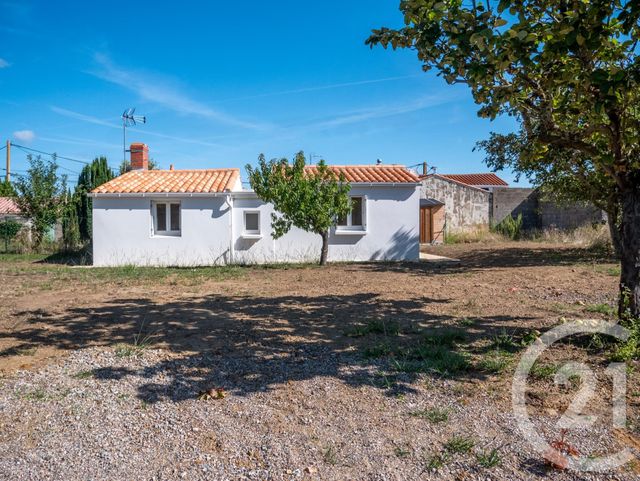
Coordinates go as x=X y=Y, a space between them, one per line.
x=139 y=156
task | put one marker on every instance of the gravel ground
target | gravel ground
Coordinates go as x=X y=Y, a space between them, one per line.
x=97 y=415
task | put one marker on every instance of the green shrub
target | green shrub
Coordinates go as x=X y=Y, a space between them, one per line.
x=510 y=227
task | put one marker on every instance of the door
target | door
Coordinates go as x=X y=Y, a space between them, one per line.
x=426 y=227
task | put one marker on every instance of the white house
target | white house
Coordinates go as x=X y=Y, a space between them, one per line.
x=205 y=217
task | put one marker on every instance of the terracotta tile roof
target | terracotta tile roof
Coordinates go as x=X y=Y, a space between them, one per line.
x=8 y=206
x=476 y=179
x=171 y=181
x=374 y=173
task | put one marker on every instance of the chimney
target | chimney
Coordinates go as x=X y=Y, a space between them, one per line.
x=139 y=156
x=424 y=168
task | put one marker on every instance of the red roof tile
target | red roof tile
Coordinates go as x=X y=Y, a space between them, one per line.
x=8 y=206
x=397 y=174
x=171 y=181
x=476 y=179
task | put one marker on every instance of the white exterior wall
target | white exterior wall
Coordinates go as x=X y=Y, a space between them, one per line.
x=122 y=232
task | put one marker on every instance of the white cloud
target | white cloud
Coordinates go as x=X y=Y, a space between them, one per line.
x=24 y=135
x=4 y=63
x=94 y=120
x=159 y=90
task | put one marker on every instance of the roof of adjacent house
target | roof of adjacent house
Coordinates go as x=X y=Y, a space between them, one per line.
x=8 y=206
x=393 y=174
x=171 y=181
x=476 y=179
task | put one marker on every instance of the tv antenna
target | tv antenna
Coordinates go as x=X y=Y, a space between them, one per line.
x=129 y=120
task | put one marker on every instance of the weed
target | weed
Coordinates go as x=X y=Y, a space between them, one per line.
x=375 y=327
x=436 y=359
x=445 y=337
x=330 y=455
x=401 y=452
x=37 y=394
x=437 y=461
x=530 y=337
x=459 y=444
x=433 y=415
x=488 y=459
x=466 y=322
x=83 y=374
x=504 y=341
x=26 y=351
x=603 y=308
x=495 y=362
x=381 y=349
x=543 y=371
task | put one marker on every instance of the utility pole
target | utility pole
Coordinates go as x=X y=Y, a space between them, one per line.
x=8 y=177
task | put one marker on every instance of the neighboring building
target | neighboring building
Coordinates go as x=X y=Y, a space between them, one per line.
x=204 y=217
x=452 y=206
x=10 y=210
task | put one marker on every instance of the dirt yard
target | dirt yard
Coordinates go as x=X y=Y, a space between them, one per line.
x=369 y=371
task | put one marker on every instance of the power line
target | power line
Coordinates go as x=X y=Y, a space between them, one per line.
x=54 y=155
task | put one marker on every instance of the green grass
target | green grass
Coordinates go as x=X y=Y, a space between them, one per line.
x=543 y=371
x=603 y=308
x=330 y=455
x=459 y=444
x=466 y=322
x=401 y=452
x=489 y=459
x=83 y=374
x=495 y=362
x=435 y=462
x=376 y=326
x=433 y=415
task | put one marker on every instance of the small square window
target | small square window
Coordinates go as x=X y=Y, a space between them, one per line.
x=252 y=223
x=354 y=221
x=166 y=218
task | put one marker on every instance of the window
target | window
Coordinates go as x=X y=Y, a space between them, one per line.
x=354 y=220
x=166 y=218
x=251 y=224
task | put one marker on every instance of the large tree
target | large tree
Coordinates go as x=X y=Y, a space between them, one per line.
x=312 y=200
x=40 y=196
x=567 y=70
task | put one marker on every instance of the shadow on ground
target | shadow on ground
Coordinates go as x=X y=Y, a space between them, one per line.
x=250 y=343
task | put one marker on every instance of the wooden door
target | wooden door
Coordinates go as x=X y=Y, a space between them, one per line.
x=426 y=227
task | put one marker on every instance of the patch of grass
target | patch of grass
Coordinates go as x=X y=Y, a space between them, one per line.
x=83 y=374
x=602 y=308
x=381 y=349
x=376 y=326
x=330 y=455
x=466 y=322
x=459 y=444
x=489 y=459
x=26 y=351
x=445 y=337
x=37 y=394
x=401 y=452
x=495 y=362
x=504 y=340
x=433 y=415
x=543 y=371
x=435 y=359
x=437 y=461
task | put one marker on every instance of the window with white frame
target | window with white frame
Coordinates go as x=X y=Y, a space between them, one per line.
x=166 y=218
x=354 y=220
x=251 y=223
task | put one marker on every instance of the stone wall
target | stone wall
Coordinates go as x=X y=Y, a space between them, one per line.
x=466 y=207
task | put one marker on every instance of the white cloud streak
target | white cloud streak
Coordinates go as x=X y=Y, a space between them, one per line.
x=96 y=121
x=157 y=90
x=4 y=63
x=24 y=135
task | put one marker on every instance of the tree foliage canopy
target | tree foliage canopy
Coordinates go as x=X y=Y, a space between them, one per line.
x=309 y=200
x=40 y=195
x=569 y=72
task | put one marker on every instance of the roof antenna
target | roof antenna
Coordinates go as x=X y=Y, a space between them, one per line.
x=129 y=120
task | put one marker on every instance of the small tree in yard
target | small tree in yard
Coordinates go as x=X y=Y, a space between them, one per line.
x=8 y=231
x=6 y=189
x=312 y=200
x=569 y=72
x=40 y=196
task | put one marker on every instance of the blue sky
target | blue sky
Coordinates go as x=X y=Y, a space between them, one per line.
x=221 y=82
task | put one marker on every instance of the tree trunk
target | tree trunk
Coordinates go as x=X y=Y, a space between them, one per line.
x=325 y=248
x=614 y=229
x=629 y=304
